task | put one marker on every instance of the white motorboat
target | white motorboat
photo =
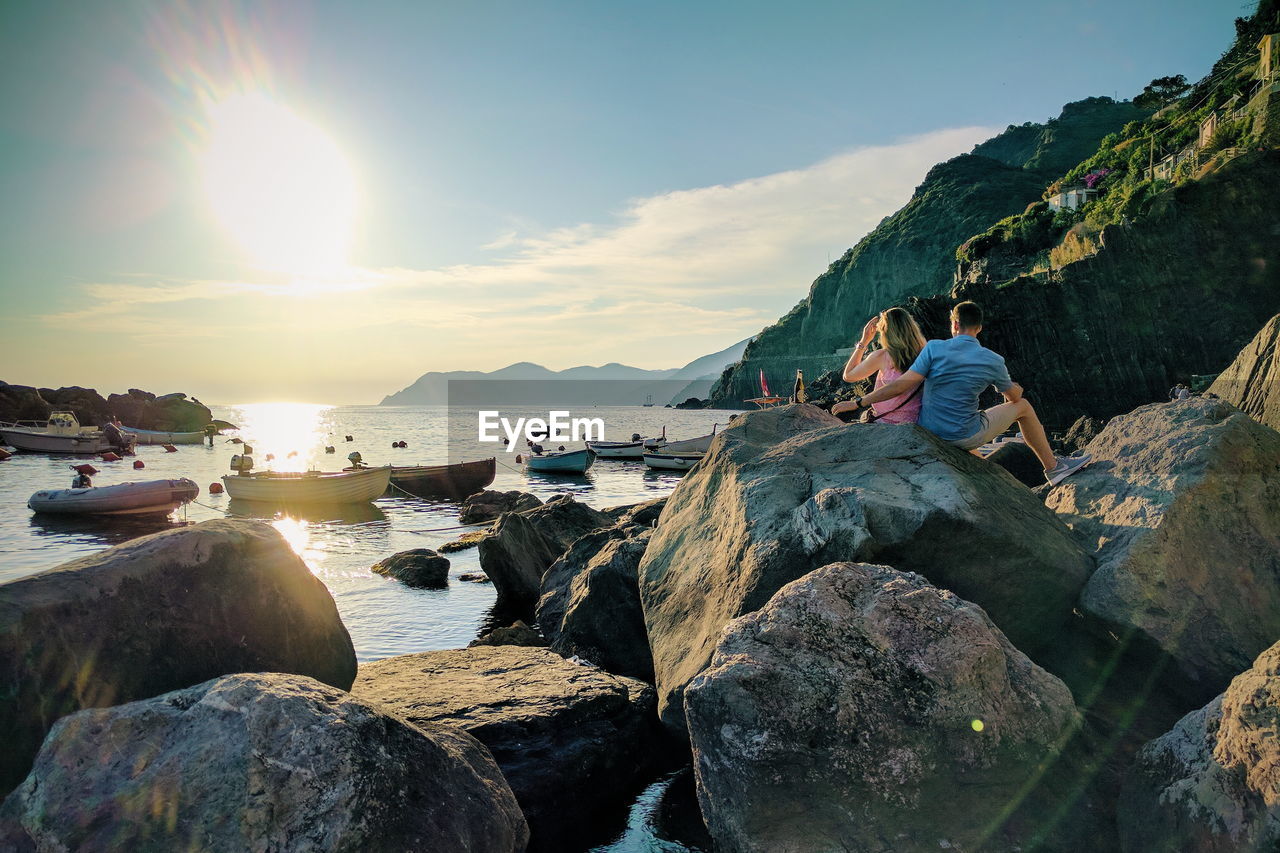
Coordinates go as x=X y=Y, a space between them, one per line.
x=154 y=436
x=309 y=487
x=672 y=461
x=62 y=433
x=153 y=497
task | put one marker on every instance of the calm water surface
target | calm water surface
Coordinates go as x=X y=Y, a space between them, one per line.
x=384 y=617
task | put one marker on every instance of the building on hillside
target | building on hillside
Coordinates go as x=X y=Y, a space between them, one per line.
x=1072 y=198
x=1208 y=128
x=1269 y=56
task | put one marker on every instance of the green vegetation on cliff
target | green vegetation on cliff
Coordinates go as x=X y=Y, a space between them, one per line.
x=912 y=252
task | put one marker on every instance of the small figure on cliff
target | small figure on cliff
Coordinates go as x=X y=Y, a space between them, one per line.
x=900 y=344
x=954 y=373
x=1184 y=392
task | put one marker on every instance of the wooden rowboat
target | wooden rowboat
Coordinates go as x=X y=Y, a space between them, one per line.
x=309 y=487
x=448 y=482
x=562 y=462
x=672 y=461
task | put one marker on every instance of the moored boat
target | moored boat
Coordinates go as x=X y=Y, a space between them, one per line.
x=152 y=497
x=309 y=487
x=672 y=461
x=701 y=444
x=632 y=449
x=154 y=436
x=451 y=482
x=560 y=462
x=62 y=433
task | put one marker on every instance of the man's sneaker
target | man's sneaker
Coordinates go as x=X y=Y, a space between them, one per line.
x=1067 y=465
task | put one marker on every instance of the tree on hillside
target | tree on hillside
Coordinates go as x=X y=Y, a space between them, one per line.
x=1161 y=91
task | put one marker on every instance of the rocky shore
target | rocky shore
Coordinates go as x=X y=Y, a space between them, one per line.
x=135 y=408
x=858 y=637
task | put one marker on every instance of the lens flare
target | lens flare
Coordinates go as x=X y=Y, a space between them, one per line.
x=279 y=185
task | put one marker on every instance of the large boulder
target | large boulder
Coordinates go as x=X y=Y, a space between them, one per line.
x=155 y=614
x=489 y=504
x=1252 y=381
x=645 y=513
x=1083 y=431
x=417 y=567
x=864 y=709
x=261 y=762
x=1021 y=461
x=172 y=412
x=786 y=490
x=590 y=604
x=523 y=546
x=574 y=741
x=1212 y=784
x=22 y=403
x=1179 y=506
x=87 y=404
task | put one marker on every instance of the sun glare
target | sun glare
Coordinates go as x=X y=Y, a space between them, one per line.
x=279 y=185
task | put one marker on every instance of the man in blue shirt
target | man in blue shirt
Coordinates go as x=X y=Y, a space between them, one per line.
x=954 y=373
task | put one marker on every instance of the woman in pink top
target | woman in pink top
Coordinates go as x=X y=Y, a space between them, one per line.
x=900 y=342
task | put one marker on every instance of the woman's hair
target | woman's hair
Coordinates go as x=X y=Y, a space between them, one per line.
x=900 y=335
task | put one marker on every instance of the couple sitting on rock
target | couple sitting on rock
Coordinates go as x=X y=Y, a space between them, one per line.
x=937 y=383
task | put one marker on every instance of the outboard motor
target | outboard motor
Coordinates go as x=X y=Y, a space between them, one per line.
x=356 y=460
x=114 y=436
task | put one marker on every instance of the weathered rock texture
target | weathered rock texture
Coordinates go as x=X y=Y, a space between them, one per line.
x=417 y=567
x=489 y=504
x=262 y=762
x=518 y=633
x=590 y=604
x=1252 y=382
x=574 y=741
x=863 y=709
x=1212 y=784
x=525 y=544
x=645 y=514
x=1180 y=506
x=1083 y=431
x=786 y=490
x=155 y=614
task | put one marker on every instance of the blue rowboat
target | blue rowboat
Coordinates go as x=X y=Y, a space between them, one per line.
x=564 y=462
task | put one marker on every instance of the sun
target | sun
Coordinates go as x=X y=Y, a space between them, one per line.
x=279 y=185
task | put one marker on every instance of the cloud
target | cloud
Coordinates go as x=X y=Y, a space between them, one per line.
x=695 y=268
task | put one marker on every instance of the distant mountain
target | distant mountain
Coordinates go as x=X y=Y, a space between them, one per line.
x=662 y=385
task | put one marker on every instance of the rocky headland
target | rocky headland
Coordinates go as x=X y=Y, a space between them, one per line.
x=135 y=408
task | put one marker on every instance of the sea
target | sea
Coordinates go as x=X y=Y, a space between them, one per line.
x=384 y=617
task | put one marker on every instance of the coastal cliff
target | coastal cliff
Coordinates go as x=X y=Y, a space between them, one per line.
x=1174 y=294
x=912 y=252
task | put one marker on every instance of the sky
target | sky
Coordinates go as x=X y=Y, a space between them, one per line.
x=320 y=201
